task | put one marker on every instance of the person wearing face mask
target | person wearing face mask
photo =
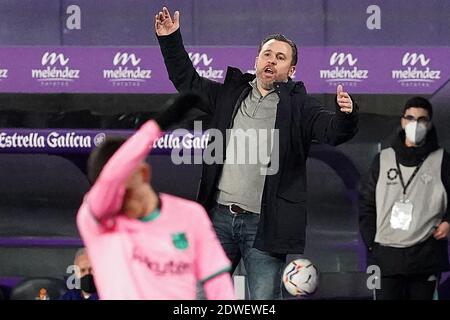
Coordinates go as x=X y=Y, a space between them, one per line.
x=85 y=278
x=404 y=216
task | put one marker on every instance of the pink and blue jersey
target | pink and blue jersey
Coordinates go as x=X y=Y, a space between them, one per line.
x=158 y=259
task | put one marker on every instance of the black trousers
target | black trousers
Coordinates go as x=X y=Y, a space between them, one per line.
x=407 y=287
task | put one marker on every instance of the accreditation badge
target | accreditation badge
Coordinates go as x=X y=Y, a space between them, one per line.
x=401 y=215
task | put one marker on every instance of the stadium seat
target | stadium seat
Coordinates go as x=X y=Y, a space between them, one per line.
x=32 y=288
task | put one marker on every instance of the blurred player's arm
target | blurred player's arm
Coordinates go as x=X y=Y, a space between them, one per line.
x=179 y=66
x=106 y=195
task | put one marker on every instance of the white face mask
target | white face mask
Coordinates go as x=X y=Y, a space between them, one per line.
x=416 y=132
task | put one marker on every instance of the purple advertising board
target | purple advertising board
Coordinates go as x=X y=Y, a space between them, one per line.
x=397 y=70
x=378 y=70
x=141 y=69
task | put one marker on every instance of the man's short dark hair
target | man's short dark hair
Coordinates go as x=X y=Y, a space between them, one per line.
x=281 y=37
x=100 y=156
x=419 y=102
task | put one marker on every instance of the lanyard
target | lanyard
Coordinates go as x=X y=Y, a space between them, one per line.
x=410 y=178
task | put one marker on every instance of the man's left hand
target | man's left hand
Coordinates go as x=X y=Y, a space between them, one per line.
x=343 y=100
x=441 y=231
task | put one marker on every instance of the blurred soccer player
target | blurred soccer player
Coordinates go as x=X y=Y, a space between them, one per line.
x=145 y=245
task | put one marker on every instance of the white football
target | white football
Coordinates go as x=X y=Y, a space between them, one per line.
x=300 y=277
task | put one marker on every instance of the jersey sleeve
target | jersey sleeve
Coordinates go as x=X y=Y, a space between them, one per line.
x=87 y=224
x=106 y=195
x=212 y=266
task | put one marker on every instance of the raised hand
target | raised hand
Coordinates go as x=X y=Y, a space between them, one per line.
x=343 y=100
x=164 y=25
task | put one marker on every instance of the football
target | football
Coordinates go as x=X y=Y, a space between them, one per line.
x=300 y=277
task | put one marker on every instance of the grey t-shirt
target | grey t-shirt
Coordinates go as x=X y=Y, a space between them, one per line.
x=248 y=151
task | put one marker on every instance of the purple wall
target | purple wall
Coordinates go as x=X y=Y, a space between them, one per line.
x=231 y=22
x=30 y=22
x=319 y=27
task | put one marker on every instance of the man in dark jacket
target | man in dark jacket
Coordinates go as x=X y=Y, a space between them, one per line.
x=404 y=216
x=259 y=213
